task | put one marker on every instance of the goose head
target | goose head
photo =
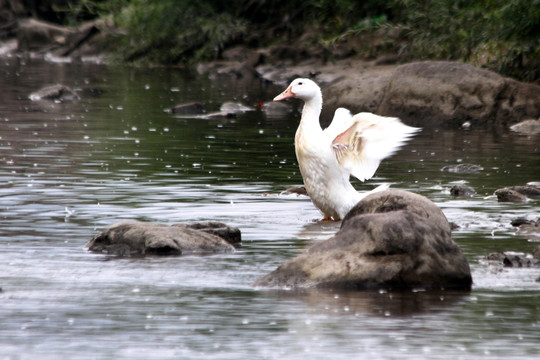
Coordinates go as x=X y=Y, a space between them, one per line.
x=304 y=89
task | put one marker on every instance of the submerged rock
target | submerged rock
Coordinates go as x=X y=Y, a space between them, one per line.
x=275 y=109
x=187 y=109
x=298 y=190
x=218 y=115
x=58 y=92
x=391 y=239
x=528 y=228
x=140 y=238
x=462 y=191
x=463 y=168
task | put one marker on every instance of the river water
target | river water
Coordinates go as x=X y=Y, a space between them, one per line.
x=69 y=170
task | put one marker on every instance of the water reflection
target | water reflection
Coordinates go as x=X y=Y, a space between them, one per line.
x=378 y=303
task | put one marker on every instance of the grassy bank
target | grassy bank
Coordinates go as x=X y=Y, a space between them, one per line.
x=501 y=35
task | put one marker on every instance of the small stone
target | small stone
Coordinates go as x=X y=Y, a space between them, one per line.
x=56 y=92
x=298 y=190
x=187 y=109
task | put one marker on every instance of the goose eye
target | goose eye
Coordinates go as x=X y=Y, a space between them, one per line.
x=300 y=83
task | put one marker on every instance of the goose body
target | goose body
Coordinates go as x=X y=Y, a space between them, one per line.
x=351 y=145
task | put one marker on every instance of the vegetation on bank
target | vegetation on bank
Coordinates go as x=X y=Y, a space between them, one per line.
x=502 y=35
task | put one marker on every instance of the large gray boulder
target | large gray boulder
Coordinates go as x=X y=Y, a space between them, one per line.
x=140 y=238
x=392 y=239
x=435 y=93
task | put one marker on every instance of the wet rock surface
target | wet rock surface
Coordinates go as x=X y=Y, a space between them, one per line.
x=528 y=228
x=436 y=93
x=527 y=127
x=392 y=239
x=518 y=193
x=531 y=191
x=140 y=238
x=509 y=195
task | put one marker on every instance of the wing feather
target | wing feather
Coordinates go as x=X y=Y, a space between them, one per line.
x=361 y=147
x=342 y=121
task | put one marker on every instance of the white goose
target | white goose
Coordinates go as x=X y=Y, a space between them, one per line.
x=350 y=145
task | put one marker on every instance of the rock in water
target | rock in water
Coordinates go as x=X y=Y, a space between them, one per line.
x=187 y=109
x=527 y=127
x=234 y=107
x=463 y=168
x=391 y=239
x=140 y=238
x=509 y=195
x=462 y=191
x=58 y=92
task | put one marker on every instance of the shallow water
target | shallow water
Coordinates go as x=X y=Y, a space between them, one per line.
x=70 y=170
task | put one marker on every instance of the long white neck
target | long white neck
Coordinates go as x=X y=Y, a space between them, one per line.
x=310 y=114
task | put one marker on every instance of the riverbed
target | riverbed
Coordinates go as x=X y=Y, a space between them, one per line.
x=68 y=170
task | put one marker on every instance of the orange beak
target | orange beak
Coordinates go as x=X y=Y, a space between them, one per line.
x=285 y=95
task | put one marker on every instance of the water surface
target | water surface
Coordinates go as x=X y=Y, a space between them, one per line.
x=69 y=170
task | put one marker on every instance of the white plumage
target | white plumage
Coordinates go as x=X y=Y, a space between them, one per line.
x=351 y=145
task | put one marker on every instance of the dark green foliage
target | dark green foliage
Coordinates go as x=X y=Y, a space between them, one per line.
x=167 y=31
x=503 y=35
x=500 y=34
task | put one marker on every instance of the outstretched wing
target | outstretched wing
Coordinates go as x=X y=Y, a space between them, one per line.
x=371 y=138
x=342 y=121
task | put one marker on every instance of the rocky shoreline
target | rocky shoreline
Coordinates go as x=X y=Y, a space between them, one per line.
x=426 y=93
